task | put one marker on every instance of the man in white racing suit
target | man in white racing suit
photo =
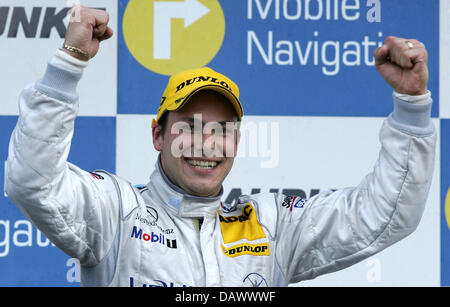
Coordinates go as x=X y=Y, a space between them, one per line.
x=175 y=231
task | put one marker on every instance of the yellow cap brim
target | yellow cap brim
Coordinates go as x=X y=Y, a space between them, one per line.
x=219 y=89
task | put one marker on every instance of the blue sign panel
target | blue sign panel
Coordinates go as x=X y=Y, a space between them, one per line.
x=288 y=57
x=445 y=200
x=27 y=257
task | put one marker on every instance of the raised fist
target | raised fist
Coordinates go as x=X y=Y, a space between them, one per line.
x=403 y=64
x=87 y=28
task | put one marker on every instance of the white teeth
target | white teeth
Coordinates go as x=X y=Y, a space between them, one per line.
x=202 y=164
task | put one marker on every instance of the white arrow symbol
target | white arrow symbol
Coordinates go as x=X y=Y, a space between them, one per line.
x=164 y=12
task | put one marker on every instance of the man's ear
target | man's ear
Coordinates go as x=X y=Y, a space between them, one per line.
x=232 y=153
x=237 y=140
x=157 y=135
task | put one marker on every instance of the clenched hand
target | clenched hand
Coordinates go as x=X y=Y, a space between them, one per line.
x=403 y=64
x=87 y=28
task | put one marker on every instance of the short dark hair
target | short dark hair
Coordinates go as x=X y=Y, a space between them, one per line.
x=163 y=122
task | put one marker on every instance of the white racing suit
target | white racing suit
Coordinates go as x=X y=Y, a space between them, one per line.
x=124 y=236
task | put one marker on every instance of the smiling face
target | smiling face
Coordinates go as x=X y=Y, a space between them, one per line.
x=199 y=143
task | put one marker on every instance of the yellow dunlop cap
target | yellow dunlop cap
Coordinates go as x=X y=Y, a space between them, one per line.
x=184 y=85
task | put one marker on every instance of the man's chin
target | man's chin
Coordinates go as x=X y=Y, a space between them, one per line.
x=202 y=189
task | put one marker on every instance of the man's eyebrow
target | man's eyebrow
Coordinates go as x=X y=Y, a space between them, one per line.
x=192 y=120
x=188 y=119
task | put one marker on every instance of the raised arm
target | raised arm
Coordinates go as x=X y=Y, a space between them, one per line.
x=336 y=229
x=77 y=212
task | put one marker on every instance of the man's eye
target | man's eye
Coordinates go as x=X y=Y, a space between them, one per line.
x=229 y=131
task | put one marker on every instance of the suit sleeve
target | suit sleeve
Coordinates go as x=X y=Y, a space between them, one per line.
x=336 y=229
x=77 y=212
